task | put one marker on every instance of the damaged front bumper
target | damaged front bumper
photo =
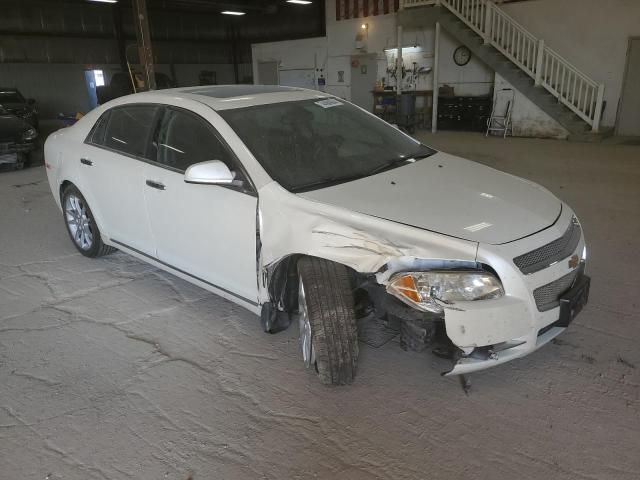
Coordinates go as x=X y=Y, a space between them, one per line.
x=571 y=303
x=12 y=152
x=537 y=305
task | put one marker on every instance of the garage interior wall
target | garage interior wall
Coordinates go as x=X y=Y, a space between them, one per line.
x=60 y=87
x=597 y=47
x=334 y=52
x=294 y=56
x=592 y=34
x=44 y=48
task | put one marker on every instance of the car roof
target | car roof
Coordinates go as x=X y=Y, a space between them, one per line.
x=225 y=97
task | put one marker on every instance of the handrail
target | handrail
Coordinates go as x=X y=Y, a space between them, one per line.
x=548 y=68
x=416 y=3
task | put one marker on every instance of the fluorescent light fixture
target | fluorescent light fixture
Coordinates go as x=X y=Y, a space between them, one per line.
x=415 y=49
x=104 y=1
x=231 y=12
x=300 y=2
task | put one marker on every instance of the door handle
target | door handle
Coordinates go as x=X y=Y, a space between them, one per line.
x=156 y=185
x=86 y=161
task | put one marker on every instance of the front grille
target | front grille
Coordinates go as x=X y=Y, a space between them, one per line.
x=553 y=252
x=548 y=296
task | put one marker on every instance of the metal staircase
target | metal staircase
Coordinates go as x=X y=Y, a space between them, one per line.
x=548 y=80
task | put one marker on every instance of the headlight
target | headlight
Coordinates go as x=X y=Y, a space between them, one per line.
x=29 y=135
x=428 y=291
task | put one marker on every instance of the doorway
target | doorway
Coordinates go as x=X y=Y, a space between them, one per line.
x=629 y=109
x=364 y=72
x=93 y=79
x=268 y=73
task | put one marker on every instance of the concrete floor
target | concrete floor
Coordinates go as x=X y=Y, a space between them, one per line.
x=111 y=369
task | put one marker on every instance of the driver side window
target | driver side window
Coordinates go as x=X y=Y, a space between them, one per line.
x=184 y=139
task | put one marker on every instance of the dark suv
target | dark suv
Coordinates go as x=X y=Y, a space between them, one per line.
x=18 y=123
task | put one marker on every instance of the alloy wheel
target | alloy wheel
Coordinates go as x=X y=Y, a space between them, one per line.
x=78 y=221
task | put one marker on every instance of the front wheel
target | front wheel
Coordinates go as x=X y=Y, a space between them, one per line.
x=81 y=225
x=327 y=321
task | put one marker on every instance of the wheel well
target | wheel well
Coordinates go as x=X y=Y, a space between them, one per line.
x=283 y=281
x=63 y=187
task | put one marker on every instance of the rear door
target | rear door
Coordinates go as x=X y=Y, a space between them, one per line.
x=113 y=169
x=207 y=231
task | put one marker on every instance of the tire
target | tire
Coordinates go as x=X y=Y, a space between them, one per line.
x=326 y=292
x=87 y=238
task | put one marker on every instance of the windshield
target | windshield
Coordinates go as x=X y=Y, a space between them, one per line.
x=10 y=96
x=311 y=144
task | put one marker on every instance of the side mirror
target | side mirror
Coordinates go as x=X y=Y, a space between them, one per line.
x=31 y=101
x=213 y=172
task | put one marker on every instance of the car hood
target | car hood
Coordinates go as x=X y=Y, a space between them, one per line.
x=452 y=196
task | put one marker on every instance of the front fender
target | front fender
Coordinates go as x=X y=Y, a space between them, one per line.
x=289 y=224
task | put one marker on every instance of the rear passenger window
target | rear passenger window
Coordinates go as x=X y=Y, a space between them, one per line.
x=185 y=139
x=128 y=129
x=97 y=132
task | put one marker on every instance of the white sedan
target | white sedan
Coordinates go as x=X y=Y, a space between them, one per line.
x=303 y=207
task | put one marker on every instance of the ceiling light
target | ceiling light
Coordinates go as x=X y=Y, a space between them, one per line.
x=231 y=12
x=300 y=2
x=104 y=1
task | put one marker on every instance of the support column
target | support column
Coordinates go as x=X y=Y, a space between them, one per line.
x=234 y=53
x=141 y=26
x=399 y=63
x=436 y=61
x=598 y=112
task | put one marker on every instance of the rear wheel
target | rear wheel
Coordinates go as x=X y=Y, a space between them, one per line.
x=327 y=321
x=81 y=225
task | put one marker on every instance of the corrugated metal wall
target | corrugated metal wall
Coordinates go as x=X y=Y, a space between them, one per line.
x=60 y=87
x=45 y=45
x=86 y=33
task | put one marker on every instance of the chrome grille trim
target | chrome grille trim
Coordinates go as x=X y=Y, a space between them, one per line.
x=548 y=296
x=551 y=253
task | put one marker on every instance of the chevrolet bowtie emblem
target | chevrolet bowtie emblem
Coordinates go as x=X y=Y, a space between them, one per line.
x=574 y=261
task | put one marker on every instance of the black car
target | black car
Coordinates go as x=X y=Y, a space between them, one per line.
x=13 y=102
x=17 y=139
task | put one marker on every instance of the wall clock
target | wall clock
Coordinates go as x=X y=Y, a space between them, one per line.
x=462 y=55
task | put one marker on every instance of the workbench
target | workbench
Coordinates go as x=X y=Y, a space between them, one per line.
x=384 y=105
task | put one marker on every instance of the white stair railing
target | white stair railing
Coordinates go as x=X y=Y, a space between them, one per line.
x=570 y=86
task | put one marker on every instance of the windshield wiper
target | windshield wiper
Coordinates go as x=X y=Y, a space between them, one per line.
x=331 y=181
x=325 y=182
x=397 y=162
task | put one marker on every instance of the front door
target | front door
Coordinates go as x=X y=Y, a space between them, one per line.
x=206 y=231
